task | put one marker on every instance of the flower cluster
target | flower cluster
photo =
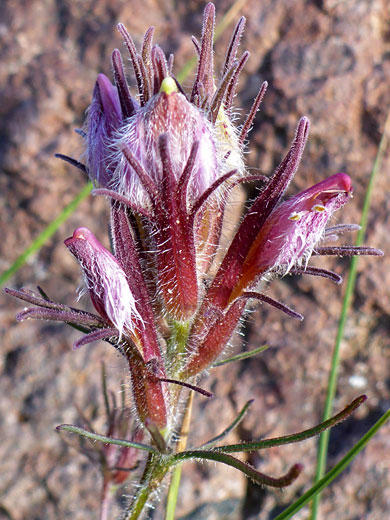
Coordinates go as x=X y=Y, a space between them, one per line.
x=167 y=161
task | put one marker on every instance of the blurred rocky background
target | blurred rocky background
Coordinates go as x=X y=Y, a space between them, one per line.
x=329 y=60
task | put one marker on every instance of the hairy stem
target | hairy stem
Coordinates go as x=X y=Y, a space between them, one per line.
x=154 y=472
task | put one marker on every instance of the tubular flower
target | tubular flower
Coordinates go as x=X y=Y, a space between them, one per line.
x=273 y=238
x=106 y=281
x=293 y=229
x=111 y=295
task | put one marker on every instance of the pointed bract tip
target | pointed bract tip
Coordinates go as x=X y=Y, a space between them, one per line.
x=342 y=181
x=109 y=99
x=303 y=126
x=297 y=468
x=210 y=8
x=81 y=233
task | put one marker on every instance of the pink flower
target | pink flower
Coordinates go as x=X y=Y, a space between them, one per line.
x=293 y=229
x=106 y=281
x=167 y=112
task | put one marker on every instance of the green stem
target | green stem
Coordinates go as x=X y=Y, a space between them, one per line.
x=139 y=500
x=154 y=472
x=333 y=376
x=138 y=504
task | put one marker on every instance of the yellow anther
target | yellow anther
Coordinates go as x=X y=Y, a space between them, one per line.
x=295 y=216
x=318 y=208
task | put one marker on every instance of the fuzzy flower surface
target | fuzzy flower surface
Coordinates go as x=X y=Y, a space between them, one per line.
x=167 y=160
x=168 y=112
x=105 y=279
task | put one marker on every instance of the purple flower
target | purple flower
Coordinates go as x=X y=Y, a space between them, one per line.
x=168 y=162
x=112 y=297
x=104 y=119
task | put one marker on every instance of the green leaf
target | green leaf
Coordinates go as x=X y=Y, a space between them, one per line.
x=241 y=356
x=295 y=437
x=334 y=472
x=249 y=471
x=226 y=431
x=106 y=440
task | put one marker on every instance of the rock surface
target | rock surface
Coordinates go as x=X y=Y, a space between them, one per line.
x=327 y=59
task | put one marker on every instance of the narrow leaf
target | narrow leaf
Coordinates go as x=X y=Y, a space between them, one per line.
x=240 y=357
x=334 y=472
x=231 y=427
x=295 y=437
x=249 y=471
x=106 y=440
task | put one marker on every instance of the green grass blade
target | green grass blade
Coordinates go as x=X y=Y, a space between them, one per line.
x=333 y=376
x=334 y=472
x=173 y=493
x=46 y=234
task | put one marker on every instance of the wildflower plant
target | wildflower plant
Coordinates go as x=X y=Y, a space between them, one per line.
x=167 y=161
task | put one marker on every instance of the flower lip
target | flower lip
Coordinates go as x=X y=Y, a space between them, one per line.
x=292 y=230
x=81 y=233
x=321 y=193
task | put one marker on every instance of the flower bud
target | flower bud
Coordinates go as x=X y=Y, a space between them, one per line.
x=168 y=112
x=105 y=279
